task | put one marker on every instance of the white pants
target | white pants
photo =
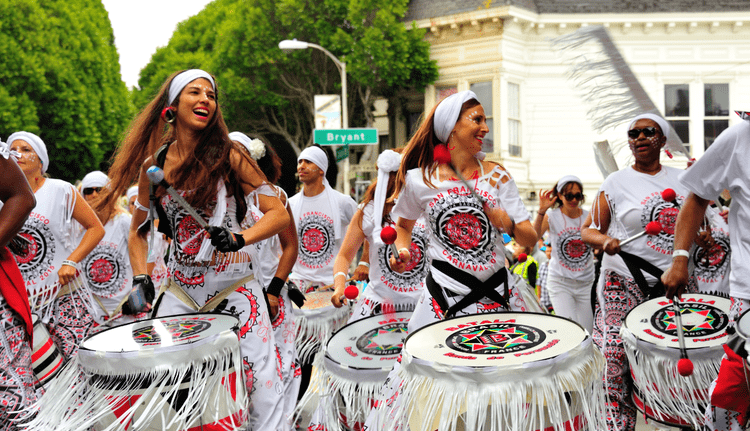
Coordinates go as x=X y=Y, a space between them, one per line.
x=572 y=299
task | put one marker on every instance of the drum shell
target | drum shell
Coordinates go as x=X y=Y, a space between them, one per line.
x=46 y=358
x=316 y=321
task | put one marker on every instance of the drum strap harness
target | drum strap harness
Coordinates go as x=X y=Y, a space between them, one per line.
x=479 y=289
x=636 y=265
x=188 y=300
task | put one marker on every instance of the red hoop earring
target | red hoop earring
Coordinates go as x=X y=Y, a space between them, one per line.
x=168 y=114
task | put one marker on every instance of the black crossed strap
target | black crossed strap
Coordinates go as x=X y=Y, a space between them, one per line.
x=479 y=289
x=637 y=265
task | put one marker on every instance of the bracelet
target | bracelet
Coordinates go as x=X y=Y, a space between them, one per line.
x=363 y=263
x=339 y=273
x=403 y=249
x=680 y=253
x=70 y=263
x=140 y=206
x=541 y=213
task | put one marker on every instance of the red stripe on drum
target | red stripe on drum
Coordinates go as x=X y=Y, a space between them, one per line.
x=42 y=350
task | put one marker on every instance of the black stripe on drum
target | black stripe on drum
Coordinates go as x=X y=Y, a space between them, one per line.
x=49 y=360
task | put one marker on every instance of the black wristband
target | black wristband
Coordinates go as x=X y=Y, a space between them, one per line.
x=274 y=288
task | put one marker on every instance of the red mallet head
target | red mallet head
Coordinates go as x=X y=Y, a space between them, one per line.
x=653 y=228
x=668 y=195
x=522 y=257
x=351 y=292
x=388 y=235
x=685 y=367
x=441 y=154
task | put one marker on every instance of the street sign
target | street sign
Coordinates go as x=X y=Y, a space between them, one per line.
x=345 y=136
x=342 y=153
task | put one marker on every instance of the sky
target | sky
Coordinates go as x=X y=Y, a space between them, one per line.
x=141 y=26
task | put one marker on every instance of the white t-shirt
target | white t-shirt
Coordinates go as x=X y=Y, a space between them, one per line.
x=635 y=200
x=571 y=257
x=318 y=245
x=107 y=268
x=460 y=232
x=725 y=165
x=711 y=266
x=384 y=283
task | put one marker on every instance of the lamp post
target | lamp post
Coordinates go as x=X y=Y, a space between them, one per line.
x=298 y=44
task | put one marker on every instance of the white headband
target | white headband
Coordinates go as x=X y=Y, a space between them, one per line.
x=568 y=179
x=255 y=147
x=388 y=161
x=663 y=124
x=180 y=81
x=132 y=191
x=447 y=112
x=36 y=143
x=94 y=179
x=318 y=157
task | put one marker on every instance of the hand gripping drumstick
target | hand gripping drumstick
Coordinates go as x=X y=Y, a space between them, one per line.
x=388 y=234
x=652 y=228
x=684 y=365
x=156 y=175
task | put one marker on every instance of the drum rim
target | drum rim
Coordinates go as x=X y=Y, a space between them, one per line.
x=327 y=357
x=737 y=325
x=488 y=315
x=660 y=347
x=235 y=328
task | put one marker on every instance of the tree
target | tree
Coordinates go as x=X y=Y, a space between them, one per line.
x=60 y=77
x=268 y=92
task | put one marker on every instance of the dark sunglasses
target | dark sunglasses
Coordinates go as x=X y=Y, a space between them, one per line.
x=89 y=190
x=571 y=196
x=647 y=132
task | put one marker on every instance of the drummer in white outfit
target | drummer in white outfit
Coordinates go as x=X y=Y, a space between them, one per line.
x=571 y=269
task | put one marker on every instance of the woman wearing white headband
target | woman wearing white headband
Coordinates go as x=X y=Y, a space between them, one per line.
x=50 y=264
x=626 y=202
x=571 y=270
x=182 y=130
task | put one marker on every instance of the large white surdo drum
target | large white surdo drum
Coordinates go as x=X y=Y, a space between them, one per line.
x=500 y=371
x=172 y=373
x=649 y=335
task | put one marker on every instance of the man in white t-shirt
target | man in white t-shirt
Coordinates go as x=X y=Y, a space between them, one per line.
x=723 y=166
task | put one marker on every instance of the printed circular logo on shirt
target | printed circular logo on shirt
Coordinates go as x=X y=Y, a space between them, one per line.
x=189 y=234
x=383 y=340
x=499 y=338
x=316 y=240
x=179 y=331
x=416 y=270
x=572 y=252
x=657 y=209
x=711 y=264
x=698 y=320
x=105 y=269
x=38 y=255
x=463 y=229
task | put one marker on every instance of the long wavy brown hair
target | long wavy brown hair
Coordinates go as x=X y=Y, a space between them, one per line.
x=207 y=165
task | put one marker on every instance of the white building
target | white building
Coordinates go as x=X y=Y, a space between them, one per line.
x=691 y=57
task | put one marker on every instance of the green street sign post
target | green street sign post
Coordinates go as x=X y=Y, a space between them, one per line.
x=345 y=136
x=342 y=153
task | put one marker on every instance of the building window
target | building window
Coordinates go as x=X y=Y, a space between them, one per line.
x=514 y=120
x=443 y=92
x=677 y=109
x=483 y=90
x=716 y=111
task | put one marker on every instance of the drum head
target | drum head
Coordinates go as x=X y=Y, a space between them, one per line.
x=495 y=339
x=374 y=342
x=316 y=300
x=162 y=332
x=704 y=320
x=743 y=325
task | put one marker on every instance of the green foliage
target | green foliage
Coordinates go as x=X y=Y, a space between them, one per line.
x=264 y=91
x=60 y=75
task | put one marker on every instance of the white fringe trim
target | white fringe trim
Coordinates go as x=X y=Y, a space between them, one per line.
x=663 y=389
x=77 y=400
x=315 y=329
x=469 y=398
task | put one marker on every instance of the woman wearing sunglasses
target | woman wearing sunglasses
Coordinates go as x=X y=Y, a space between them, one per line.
x=571 y=269
x=627 y=201
x=49 y=258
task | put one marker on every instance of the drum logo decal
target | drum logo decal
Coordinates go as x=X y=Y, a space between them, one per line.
x=496 y=338
x=657 y=209
x=316 y=240
x=416 y=270
x=384 y=340
x=572 y=252
x=105 y=269
x=464 y=231
x=180 y=331
x=37 y=256
x=711 y=264
x=698 y=320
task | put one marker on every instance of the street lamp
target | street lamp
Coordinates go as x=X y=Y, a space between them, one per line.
x=298 y=44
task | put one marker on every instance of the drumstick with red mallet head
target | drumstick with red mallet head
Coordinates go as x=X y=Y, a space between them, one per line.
x=156 y=175
x=684 y=365
x=351 y=292
x=652 y=228
x=388 y=234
